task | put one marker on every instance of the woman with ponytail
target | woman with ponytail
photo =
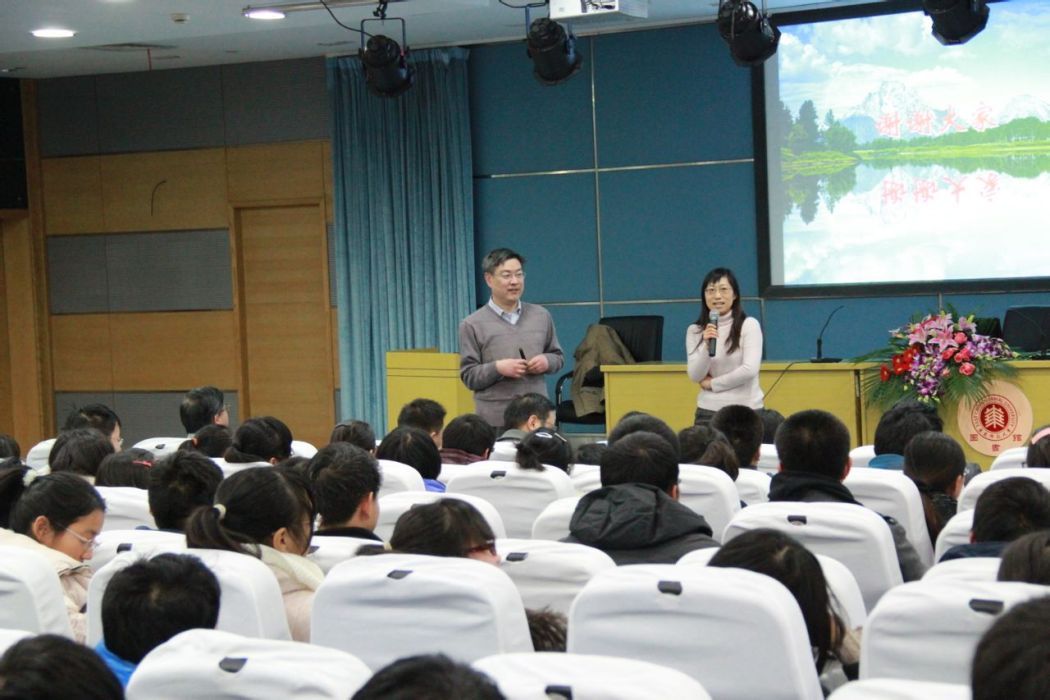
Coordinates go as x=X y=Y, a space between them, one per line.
x=935 y=462
x=266 y=513
x=544 y=446
x=263 y=439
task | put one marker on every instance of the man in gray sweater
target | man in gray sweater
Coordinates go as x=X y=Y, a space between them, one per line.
x=506 y=346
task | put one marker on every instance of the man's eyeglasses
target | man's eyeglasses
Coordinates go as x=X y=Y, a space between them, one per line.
x=508 y=276
x=489 y=546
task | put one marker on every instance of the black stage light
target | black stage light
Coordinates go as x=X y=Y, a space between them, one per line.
x=956 y=21
x=387 y=73
x=553 y=51
x=751 y=36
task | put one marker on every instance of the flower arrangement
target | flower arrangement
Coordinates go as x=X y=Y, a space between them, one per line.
x=938 y=357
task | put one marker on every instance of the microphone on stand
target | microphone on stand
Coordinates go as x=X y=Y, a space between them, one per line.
x=820 y=340
x=712 y=343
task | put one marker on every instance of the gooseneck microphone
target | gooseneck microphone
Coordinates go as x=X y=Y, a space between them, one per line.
x=712 y=343
x=820 y=340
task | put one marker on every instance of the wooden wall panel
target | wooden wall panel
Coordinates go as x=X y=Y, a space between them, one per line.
x=192 y=196
x=276 y=172
x=82 y=352
x=7 y=398
x=72 y=195
x=329 y=182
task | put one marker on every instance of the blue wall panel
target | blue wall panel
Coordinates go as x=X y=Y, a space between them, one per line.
x=994 y=304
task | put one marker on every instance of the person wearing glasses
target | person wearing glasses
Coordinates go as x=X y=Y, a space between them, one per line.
x=507 y=345
x=58 y=516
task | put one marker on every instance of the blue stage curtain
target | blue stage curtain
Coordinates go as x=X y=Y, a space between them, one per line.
x=404 y=219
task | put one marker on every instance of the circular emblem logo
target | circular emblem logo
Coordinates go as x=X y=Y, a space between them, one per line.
x=998 y=422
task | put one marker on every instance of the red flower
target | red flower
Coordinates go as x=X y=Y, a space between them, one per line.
x=884 y=373
x=960 y=338
x=963 y=355
x=947 y=354
x=966 y=368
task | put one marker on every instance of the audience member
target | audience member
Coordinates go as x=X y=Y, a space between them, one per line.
x=743 y=427
x=268 y=513
x=9 y=447
x=897 y=427
x=590 y=453
x=935 y=462
x=448 y=527
x=814 y=460
x=525 y=414
x=415 y=448
x=203 y=406
x=212 y=441
x=548 y=629
x=150 y=601
x=432 y=677
x=346 y=482
x=544 y=447
x=58 y=516
x=50 y=667
x=79 y=451
x=1038 y=455
x=1027 y=559
x=178 y=485
x=101 y=418
x=771 y=420
x=425 y=414
x=467 y=439
x=357 y=433
x=1010 y=660
x=265 y=439
x=635 y=517
x=635 y=421
x=128 y=468
x=706 y=445
x=1005 y=511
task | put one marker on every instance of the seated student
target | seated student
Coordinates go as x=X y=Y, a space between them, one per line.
x=636 y=421
x=1005 y=511
x=544 y=447
x=346 y=483
x=899 y=425
x=267 y=513
x=590 y=453
x=935 y=462
x=179 y=484
x=150 y=601
x=426 y=415
x=79 y=451
x=1010 y=660
x=211 y=441
x=467 y=439
x=771 y=420
x=51 y=667
x=265 y=439
x=203 y=406
x=814 y=460
x=706 y=445
x=1027 y=559
x=743 y=427
x=415 y=448
x=128 y=468
x=525 y=414
x=635 y=517
x=101 y=418
x=355 y=432
x=9 y=447
x=58 y=516
x=1038 y=455
x=430 y=677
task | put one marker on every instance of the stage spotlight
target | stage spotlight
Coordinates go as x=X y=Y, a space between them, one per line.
x=553 y=51
x=387 y=73
x=956 y=21
x=751 y=36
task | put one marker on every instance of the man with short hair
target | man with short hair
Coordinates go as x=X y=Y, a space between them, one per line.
x=1006 y=510
x=636 y=421
x=897 y=427
x=346 y=482
x=467 y=439
x=428 y=677
x=179 y=484
x=506 y=346
x=426 y=414
x=635 y=517
x=100 y=417
x=743 y=428
x=205 y=405
x=1010 y=660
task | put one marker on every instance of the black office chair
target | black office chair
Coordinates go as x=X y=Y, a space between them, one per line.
x=1027 y=328
x=644 y=338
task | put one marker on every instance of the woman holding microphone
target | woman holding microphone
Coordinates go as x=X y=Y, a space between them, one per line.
x=723 y=348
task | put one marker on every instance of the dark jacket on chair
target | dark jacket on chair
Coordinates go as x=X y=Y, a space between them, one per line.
x=600 y=346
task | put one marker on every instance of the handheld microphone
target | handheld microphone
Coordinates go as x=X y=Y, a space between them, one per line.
x=712 y=343
x=820 y=340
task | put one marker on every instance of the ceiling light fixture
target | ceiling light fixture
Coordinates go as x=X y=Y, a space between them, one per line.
x=279 y=10
x=751 y=36
x=553 y=51
x=956 y=21
x=52 y=33
x=263 y=13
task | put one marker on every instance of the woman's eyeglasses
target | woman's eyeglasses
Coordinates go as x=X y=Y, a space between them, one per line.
x=489 y=546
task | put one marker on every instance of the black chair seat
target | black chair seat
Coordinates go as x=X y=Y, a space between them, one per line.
x=566 y=413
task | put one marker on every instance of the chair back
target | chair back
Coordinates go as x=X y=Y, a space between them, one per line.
x=10 y=637
x=768 y=459
x=395 y=505
x=206 y=663
x=416 y=604
x=643 y=335
x=37 y=457
x=965 y=569
x=329 y=550
x=973 y=490
x=956 y=531
x=752 y=486
x=586 y=677
x=231 y=468
x=519 y=495
x=553 y=522
x=897 y=689
x=1024 y=328
x=586 y=478
x=652 y=612
x=31 y=596
x=861 y=456
x=161 y=446
x=709 y=492
x=397 y=476
x=1012 y=458
x=127 y=507
x=550 y=574
x=928 y=630
x=112 y=542
x=890 y=492
x=504 y=451
x=856 y=536
x=301 y=448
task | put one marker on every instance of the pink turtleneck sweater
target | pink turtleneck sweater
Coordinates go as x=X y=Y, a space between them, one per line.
x=734 y=376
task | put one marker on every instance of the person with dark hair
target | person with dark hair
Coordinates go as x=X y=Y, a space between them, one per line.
x=429 y=677
x=415 y=448
x=57 y=516
x=205 y=405
x=211 y=441
x=448 y=527
x=178 y=485
x=264 y=439
x=590 y=453
x=897 y=427
x=1027 y=559
x=702 y=444
x=346 y=482
x=743 y=428
x=467 y=439
x=935 y=462
x=785 y=559
x=506 y=346
x=813 y=447
x=101 y=418
x=548 y=629
x=51 y=667
x=150 y=601
x=527 y=413
x=426 y=414
x=636 y=421
x=771 y=420
x=355 y=432
x=729 y=375
x=9 y=447
x=636 y=517
x=1038 y=455
x=544 y=447
x=267 y=513
x=1005 y=511
x=1010 y=659
x=128 y=468
x=79 y=451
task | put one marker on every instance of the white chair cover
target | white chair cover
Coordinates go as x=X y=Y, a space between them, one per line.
x=928 y=630
x=504 y=451
x=448 y=471
x=713 y=624
x=890 y=492
x=752 y=486
x=204 y=663
x=38 y=454
x=161 y=446
x=329 y=550
x=110 y=543
x=861 y=456
x=709 y=492
x=31 y=596
x=966 y=569
x=550 y=574
x=955 y=531
x=398 y=477
x=1013 y=458
x=301 y=448
x=231 y=468
x=389 y=606
x=856 y=536
x=127 y=508
x=9 y=637
x=586 y=478
x=973 y=490
x=768 y=459
x=519 y=495
x=896 y=689
x=586 y=677
x=393 y=506
x=553 y=522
